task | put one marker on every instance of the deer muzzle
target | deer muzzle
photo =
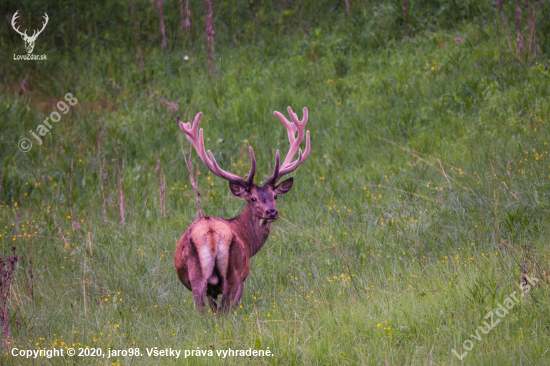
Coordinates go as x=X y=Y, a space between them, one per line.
x=272 y=214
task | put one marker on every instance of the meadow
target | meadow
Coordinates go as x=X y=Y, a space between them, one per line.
x=423 y=204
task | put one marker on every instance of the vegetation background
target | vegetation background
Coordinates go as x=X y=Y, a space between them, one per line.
x=423 y=204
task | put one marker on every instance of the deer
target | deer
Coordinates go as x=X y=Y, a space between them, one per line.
x=29 y=41
x=213 y=256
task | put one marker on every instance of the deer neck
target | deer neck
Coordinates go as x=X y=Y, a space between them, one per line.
x=247 y=227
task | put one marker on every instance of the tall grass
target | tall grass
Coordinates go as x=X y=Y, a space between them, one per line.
x=423 y=202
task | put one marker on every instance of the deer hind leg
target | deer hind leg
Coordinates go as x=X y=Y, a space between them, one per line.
x=198 y=285
x=199 y=282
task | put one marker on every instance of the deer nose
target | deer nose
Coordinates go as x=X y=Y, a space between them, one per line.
x=272 y=213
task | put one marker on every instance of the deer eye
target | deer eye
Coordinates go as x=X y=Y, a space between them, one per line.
x=253 y=199
x=275 y=197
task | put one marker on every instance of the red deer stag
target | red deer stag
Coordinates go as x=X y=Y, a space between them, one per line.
x=213 y=256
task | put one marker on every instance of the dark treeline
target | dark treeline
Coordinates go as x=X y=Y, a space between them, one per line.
x=83 y=25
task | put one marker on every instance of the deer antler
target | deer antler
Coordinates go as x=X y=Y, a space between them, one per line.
x=13 y=19
x=291 y=128
x=196 y=138
x=35 y=34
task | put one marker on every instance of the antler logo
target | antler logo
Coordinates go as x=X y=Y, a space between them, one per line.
x=29 y=41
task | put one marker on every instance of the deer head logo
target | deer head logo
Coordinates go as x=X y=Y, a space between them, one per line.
x=29 y=41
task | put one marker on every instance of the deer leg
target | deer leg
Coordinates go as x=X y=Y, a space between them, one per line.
x=232 y=292
x=196 y=278
x=199 y=293
x=236 y=274
x=237 y=294
x=226 y=291
x=213 y=302
x=231 y=287
x=213 y=293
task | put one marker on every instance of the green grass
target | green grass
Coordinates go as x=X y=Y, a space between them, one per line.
x=392 y=263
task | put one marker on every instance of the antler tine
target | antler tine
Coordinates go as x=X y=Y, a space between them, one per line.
x=252 y=171
x=35 y=34
x=191 y=133
x=291 y=131
x=13 y=19
x=294 y=116
x=295 y=141
x=274 y=177
x=290 y=127
x=301 y=158
x=197 y=140
x=43 y=24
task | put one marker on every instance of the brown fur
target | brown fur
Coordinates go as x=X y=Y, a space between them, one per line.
x=213 y=256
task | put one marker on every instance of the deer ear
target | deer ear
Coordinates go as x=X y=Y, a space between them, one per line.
x=237 y=189
x=284 y=186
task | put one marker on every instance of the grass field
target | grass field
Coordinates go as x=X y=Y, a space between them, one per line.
x=424 y=200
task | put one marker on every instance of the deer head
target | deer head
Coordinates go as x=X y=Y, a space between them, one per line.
x=29 y=41
x=262 y=199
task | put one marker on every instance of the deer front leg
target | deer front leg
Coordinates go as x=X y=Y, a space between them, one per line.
x=237 y=294
x=229 y=286
x=232 y=291
x=238 y=268
x=213 y=302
